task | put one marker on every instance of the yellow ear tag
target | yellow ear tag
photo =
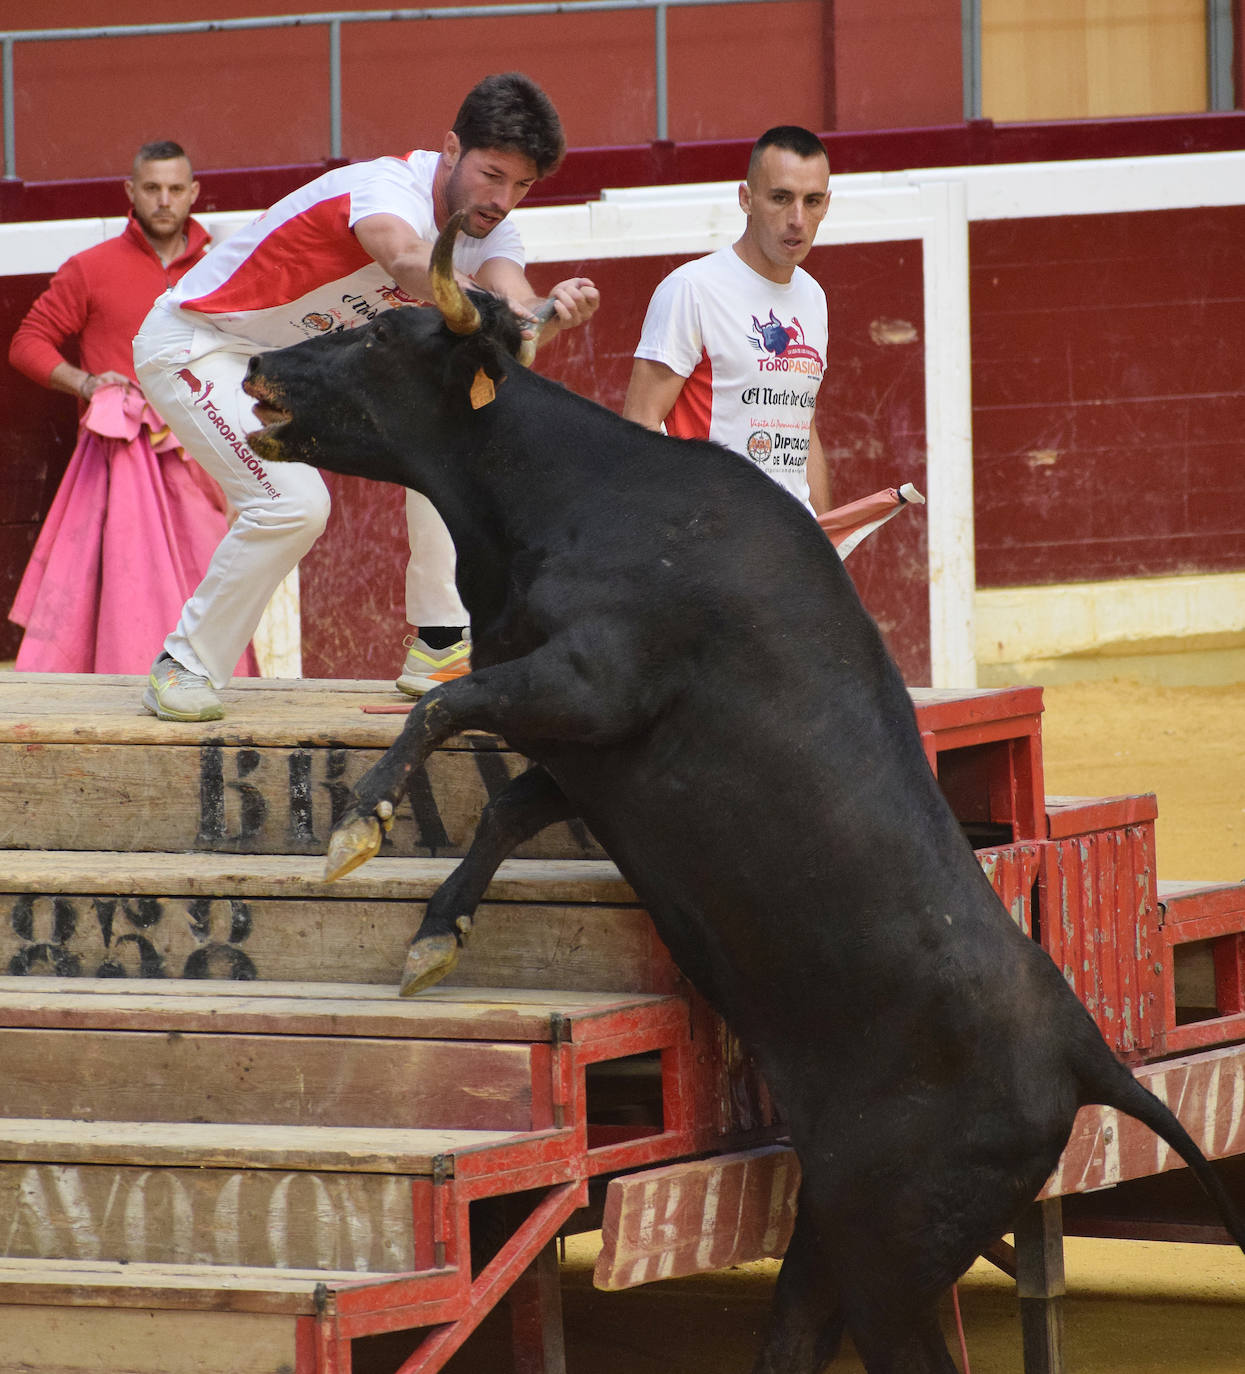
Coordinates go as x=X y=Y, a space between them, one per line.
x=482 y=389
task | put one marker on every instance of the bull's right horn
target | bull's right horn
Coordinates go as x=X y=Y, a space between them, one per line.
x=451 y=300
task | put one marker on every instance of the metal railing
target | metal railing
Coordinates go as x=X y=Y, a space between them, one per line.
x=333 y=21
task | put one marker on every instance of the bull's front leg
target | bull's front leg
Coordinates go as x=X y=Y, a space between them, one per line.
x=525 y=806
x=566 y=692
x=357 y=835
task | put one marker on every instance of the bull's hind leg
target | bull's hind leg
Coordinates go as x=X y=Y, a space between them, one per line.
x=917 y=1347
x=806 y=1322
x=525 y=806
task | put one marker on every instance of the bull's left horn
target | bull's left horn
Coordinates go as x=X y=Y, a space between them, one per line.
x=540 y=318
x=452 y=301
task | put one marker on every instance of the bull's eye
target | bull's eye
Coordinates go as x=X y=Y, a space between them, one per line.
x=381 y=331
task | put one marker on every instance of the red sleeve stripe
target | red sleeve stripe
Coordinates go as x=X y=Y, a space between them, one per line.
x=692 y=412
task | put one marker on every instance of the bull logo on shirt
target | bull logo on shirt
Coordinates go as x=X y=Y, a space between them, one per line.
x=784 y=347
x=190 y=379
x=773 y=335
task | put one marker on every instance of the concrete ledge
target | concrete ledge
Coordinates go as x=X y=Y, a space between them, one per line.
x=1133 y=627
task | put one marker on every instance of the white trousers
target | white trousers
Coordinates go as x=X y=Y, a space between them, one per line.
x=192 y=373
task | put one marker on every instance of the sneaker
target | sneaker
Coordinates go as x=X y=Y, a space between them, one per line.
x=175 y=693
x=426 y=668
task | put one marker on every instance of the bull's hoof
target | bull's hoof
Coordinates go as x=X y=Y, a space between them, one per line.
x=427 y=962
x=350 y=845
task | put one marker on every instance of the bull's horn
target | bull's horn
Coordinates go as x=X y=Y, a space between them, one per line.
x=452 y=301
x=540 y=318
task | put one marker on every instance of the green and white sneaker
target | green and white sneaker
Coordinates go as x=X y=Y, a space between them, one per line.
x=425 y=668
x=175 y=693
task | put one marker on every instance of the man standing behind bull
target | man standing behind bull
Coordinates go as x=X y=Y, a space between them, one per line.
x=133 y=523
x=354 y=242
x=734 y=344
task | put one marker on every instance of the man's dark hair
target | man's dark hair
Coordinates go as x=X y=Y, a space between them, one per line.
x=790 y=138
x=160 y=151
x=509 y=111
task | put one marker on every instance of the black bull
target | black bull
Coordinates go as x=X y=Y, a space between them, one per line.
x=674 y=643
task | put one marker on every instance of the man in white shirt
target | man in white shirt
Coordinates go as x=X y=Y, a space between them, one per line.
x=733 y=346
x=331 y=256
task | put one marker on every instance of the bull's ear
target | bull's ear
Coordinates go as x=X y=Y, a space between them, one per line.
x=482 y=389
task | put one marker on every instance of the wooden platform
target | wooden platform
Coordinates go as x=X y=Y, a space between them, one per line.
x=226 y=1145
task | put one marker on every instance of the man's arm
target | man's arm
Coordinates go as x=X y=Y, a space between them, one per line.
x=60 y=313
x=575 y=300
x=818 y=471
x=396 y=247
x=651 y=393
x=391 y=242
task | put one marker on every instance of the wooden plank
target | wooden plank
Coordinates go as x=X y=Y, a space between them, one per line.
x=581 y=947
x=497 y=1014
x=250 y=798
x=46 y=708
x=104 y=1283
x=109 y=872
x=266 y=1079
x=1080 y=815
x=1207 y=1093
x=689 y=1218
x=1012 y=871
x=355 y=1222
x=210 y=1145
x=1203 y=901
x=107 y=1340
x=56 y=708
x=1100 y=925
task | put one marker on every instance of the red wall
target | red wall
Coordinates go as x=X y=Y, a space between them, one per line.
x=1109 y=395
x=896 y=64
x=261 y=97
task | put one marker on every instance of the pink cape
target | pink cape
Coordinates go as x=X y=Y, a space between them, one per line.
x=847 y=525
x=128 y=538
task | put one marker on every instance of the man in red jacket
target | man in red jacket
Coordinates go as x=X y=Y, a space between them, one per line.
x=133 y=523
x=102 y=295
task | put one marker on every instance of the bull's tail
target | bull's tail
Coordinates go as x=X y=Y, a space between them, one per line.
x=1118 y=1088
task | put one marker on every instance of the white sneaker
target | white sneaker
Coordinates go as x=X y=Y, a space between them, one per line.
x=425 y=668
x=175 y=693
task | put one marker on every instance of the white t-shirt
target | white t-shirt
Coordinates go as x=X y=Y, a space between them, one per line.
x=753 y=352
x=298 y=270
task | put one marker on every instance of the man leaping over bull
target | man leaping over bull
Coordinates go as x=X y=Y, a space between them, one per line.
x=331 y=256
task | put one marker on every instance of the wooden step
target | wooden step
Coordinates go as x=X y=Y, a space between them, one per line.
x=94 y=1317
x=569 y=924
x=336 y=1009
x=284 y=1197
x=115 y=1075
x=85 y=767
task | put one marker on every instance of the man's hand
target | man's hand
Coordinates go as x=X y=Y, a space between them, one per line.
x=94 y=380
x=576 y=301
x=77 y=382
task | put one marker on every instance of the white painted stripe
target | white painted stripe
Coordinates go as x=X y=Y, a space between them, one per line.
x=708 y=1219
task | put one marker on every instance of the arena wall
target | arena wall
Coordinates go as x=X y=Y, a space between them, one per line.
x=1107 y=411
